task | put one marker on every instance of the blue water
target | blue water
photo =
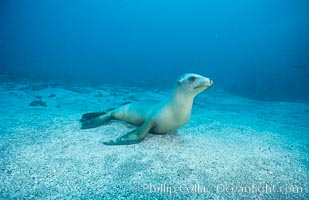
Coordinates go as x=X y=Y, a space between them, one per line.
x=257 y=49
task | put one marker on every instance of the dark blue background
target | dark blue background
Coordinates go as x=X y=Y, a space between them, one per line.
x=253 y=48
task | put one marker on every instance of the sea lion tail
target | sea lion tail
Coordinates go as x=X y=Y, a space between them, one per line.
x=95 y=119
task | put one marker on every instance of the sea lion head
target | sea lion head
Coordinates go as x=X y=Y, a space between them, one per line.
x=193 y=83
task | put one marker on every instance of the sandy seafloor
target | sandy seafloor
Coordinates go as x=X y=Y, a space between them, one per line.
x=255 y=147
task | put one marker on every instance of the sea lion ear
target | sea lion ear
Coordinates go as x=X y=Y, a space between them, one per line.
x=180 y=80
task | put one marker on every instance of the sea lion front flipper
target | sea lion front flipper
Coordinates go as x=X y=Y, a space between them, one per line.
x=133 y=137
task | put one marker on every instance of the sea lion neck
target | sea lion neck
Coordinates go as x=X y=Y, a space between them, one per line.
x=181 y=98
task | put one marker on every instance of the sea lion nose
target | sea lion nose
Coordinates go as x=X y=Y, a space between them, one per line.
x=210 y=82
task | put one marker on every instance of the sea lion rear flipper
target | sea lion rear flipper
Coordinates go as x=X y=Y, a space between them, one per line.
x=93 y=120
x=91 y=115
x=133 y=137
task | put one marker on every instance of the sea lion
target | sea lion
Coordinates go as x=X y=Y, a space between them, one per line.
x=157 y=118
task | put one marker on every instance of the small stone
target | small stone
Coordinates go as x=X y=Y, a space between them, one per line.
x=38 y=103
x=98 y=95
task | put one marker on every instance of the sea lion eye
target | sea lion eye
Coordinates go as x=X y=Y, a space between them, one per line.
x=192 y=78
